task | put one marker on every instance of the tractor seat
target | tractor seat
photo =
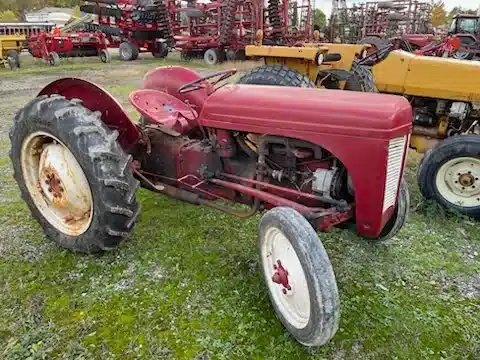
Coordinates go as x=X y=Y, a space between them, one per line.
x=160 y=108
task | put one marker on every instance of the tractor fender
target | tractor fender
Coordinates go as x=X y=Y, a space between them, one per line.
x=169 y=78
x=96 y=98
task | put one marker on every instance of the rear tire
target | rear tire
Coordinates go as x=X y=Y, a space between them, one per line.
x=214 y=56
x=276 y=75
x=161 y=51
x=464 y=55
x=362 y=79
x=450 y=174
x=299 y=276
x=105 y=56
x=102 y=173
x=377 y=43
x=127 y=51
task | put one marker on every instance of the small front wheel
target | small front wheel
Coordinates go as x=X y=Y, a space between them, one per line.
x=400 y=214
x=299 y=276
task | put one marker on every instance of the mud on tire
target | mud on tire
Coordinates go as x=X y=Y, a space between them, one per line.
x=276 y=75
x=106 y=167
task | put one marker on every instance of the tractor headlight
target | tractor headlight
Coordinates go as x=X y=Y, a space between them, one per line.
x=320 y=59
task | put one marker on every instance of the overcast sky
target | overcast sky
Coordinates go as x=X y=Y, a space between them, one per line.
x=326 y=5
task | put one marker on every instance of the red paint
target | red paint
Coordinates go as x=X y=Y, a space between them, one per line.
x=281 y=276
x=355 y=127
x=97 y=99
x=163 y=109
x=67 y=45
x=169 y=78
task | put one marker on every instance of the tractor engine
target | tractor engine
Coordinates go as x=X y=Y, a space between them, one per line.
x=305 y=167
x=438 y=119
x=281 y=161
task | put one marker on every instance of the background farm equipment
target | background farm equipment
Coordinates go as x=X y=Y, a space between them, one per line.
x=446 y=116
x=221 y=29
x=51 y=47
x=132 y=26
x=78 y=160
x=25 y=29
x=467 y=28
x=382 y=19
x=10 y=48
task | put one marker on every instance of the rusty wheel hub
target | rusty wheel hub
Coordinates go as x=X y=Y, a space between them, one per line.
x=280 y=276
x=57 y=184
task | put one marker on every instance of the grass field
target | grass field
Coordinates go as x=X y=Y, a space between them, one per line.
x=186 y=285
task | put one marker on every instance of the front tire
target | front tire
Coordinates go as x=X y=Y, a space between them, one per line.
x=400 y=214
x=299 y=276
x=276 y=75
x=73 y=175
x=450 y=174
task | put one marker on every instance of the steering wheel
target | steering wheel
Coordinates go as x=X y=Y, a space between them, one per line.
x=199 y=83
x=379 y=55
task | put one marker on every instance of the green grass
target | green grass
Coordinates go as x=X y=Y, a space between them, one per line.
x=186 y=285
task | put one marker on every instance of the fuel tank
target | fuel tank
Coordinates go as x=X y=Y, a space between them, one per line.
x=427 y=76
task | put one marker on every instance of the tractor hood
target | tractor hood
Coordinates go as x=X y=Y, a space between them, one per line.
x=287 y=110
x=428 y=76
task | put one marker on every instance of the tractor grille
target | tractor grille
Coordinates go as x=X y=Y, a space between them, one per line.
x=396 y=150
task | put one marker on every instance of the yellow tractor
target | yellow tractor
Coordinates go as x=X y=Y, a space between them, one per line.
x=443 y=93
x=10 y=48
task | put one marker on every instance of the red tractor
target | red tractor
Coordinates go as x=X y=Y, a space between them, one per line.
x=51 y=47
x=311 y=159
x=132 y=26
x=467 y=28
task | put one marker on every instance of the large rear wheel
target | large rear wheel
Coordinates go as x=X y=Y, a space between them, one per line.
x=276 y=75
x=299 y=276
x=450 y=174
x=73 y=175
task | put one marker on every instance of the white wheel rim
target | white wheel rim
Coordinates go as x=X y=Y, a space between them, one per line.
x=293 y=303
x=458 y=181
x=57 y=184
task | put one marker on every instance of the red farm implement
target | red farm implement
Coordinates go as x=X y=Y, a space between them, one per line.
x=51 y=47
x=375 y=22
x=221 y=29
x=78 y=159
x=132 y=26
